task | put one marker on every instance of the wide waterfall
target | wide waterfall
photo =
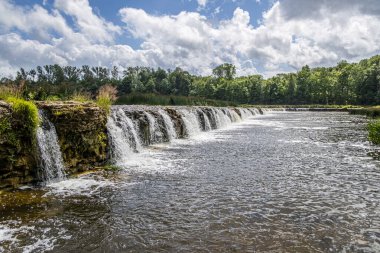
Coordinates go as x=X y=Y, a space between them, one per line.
x=51 y=162
x=132 y=127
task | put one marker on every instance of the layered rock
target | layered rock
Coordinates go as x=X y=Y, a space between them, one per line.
x=82 y=133
x=17 y=150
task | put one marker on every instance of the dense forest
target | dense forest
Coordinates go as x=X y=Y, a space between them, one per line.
x=346 y=83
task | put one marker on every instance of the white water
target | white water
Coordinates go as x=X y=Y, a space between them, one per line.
x=234 y=115
x=222 y=118
x=123 y=138
x=169 y=126
x=191 y=122
x=207 y=122
x=124 y=132
x=51 y=162
x=155 y=134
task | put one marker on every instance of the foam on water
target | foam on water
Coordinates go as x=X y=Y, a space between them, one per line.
x=84 y=185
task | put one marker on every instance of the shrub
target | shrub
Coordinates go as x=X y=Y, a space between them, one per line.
x=81 y=96
x=156 y=99
x=374 y=132
x=26 y=112
x=9 y=91
x=107 y=94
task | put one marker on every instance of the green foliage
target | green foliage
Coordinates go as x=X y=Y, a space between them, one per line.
x=154 y=99
x=112 y=168
x=26 y=112
x=374 y=132
x=53 y=98
x=372 y=112
x=226 y=70
x=106 y=96
x=8 y=91
x=104 y=103
x=7 y=134
x=344 y=84
x=81 y=97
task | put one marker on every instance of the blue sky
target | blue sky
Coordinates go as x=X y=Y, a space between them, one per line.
x=257 y=36
x=214 y=10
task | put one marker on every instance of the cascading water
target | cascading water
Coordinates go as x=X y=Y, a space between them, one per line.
x=169 y=126
x=51 y=161
x=207 y=122
x=245 y=113
x=129 y=126
x=235 y=117
x=155 y=133
x=222 y=118
x=191 y=122
x=123 y=137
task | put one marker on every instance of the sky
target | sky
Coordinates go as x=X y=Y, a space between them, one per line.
x=258 y=36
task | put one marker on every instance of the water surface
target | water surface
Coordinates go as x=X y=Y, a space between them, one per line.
x=283 y=182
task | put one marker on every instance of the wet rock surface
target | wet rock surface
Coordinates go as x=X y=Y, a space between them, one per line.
x=82 y=133
x=17 y=150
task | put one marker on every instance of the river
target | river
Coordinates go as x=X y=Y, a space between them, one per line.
x=281 y=182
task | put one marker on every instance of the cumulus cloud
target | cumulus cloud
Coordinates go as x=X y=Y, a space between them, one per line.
x=291 y=33
x=92 y=26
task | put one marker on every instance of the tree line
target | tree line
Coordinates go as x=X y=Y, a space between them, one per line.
x=345 y=83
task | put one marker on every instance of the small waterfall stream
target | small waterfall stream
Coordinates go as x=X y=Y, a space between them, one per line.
x=51 y=162
x=169 y=126
x=123 y=137
x=191 y=122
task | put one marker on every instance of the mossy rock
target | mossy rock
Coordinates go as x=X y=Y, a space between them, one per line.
x=82 y=133
x=18 y=125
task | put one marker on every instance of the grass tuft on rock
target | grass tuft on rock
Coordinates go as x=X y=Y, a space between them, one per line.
x=107 y=94
x=26 y=112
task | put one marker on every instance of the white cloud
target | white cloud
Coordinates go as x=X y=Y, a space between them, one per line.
x=202 y=3
x=92 y=26
x=318 y=33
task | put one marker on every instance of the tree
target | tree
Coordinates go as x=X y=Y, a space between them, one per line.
x=226 y=70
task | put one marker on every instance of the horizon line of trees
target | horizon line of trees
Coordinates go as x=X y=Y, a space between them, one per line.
x=346 y=83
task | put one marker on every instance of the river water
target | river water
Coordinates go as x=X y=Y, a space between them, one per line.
x=282 y=182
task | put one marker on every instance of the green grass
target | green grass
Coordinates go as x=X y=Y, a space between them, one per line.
x=155 y=99
x=9 y=92
x=372 y=112
x=374 y=131
x=26 y=112
x=105 y=103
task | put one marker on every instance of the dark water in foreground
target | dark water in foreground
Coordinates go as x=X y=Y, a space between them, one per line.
x=286 y=182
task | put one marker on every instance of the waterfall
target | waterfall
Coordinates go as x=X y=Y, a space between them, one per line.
x=191 y=122
x=207 y=121
x=222 y=118
x=253 y=111
x=154 y=130
x=169 y=126
x=123 y=137
x=245 y=113
x=235 y=117
x=51 y=162
x=129 y=126
x=120 y=148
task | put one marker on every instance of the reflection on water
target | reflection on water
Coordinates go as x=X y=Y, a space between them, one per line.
x=285 y=182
